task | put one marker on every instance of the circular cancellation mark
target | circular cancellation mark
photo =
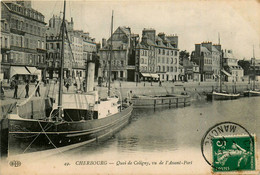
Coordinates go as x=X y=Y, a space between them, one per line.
x=228 y=146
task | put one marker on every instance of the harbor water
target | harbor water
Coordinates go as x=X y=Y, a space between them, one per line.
x=154 y=137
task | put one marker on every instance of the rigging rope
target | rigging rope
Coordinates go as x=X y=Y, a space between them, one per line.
x=49 y=138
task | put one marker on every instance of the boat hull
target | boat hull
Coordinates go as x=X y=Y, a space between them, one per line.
x=161 y=101
x=251 y=93
x=26 y=136
x=222 y=96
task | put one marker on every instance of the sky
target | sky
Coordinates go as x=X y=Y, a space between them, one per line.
x=194 y=21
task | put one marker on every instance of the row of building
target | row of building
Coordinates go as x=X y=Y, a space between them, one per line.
x=30 y=49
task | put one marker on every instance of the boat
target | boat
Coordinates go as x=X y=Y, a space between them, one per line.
x=252 y=92
x=75 y=119
x=222 y=96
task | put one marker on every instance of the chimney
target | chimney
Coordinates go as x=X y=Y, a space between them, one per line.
x=90 y=76
x=144 y=39
x=162 y=36
x=104 y=42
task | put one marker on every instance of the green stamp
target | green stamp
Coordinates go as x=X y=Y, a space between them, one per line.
x=233 y=153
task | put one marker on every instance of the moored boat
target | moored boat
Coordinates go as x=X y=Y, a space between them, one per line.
x=222 y=96
x=252 y=93
x=86 y=119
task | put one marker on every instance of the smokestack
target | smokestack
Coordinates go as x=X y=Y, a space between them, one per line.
x=90 y=76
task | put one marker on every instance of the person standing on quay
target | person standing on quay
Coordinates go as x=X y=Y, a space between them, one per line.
x=15 y=89
x=27 y=89
x=37 y=89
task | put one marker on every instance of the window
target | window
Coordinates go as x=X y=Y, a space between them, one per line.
x=42 y=45
x=159 y=51
x=163 y=60
x=163 y=52
x=39 y=44
x=167 y=61
x=6 y=42
x=159 y=68
x=121 y=73
x=167 y=52
x=122 y=63
x=171 y=69
x=142 y=61
x=163 y=68
x=176 y=53
x=168 y=69
x=171 y=52
x=51 y=45
x=159 y=59
x=12 y=40
x=171 y=60
x=175 y=60
x=26 y=42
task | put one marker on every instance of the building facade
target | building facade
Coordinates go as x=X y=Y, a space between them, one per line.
x=122 y=55
x=208 y=57
x=232 y=71
x=78 y=48
x=26 y=58
x=163 y=54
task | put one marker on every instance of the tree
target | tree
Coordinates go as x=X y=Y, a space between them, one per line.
x=183 y=55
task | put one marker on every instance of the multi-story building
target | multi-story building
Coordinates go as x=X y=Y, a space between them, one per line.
x=232 y=71
x=27 y=40
x=5 y=50
x=78 y=47
x=163 y=62
x=208 y=57
x=122 y=55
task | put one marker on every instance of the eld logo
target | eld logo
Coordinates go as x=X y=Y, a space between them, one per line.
x=15 y=163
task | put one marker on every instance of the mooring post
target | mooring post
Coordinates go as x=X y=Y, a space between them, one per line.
x=32 y=109
x=177 y=102
x=154 y=104
x=170 y=101
x=184 y=102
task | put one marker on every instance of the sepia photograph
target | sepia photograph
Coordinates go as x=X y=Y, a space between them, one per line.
x=129 y=87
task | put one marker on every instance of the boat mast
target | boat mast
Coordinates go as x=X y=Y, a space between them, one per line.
x=61 y=64
x=254 y=66
x=111 y=50
x=220 y=66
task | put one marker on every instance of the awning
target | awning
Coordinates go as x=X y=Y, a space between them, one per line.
x=154 y=75
x=32 y=70
x=146 y=75
x=226 y=73
x=15 y=70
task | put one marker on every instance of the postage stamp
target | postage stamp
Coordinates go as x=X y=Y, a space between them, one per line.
x=233 y=153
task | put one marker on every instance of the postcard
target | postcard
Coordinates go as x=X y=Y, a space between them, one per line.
x=129 y=87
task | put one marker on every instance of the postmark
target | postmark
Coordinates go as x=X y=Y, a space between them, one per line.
x=228 y=146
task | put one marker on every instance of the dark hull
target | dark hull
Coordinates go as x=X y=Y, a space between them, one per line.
x=159 y=102
x=34 y=135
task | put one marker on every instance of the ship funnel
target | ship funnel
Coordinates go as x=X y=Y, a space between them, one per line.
x=90 y=76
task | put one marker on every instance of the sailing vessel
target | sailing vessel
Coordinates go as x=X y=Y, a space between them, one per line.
x=253 y=91
x=221 y=95
x=75 y=119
